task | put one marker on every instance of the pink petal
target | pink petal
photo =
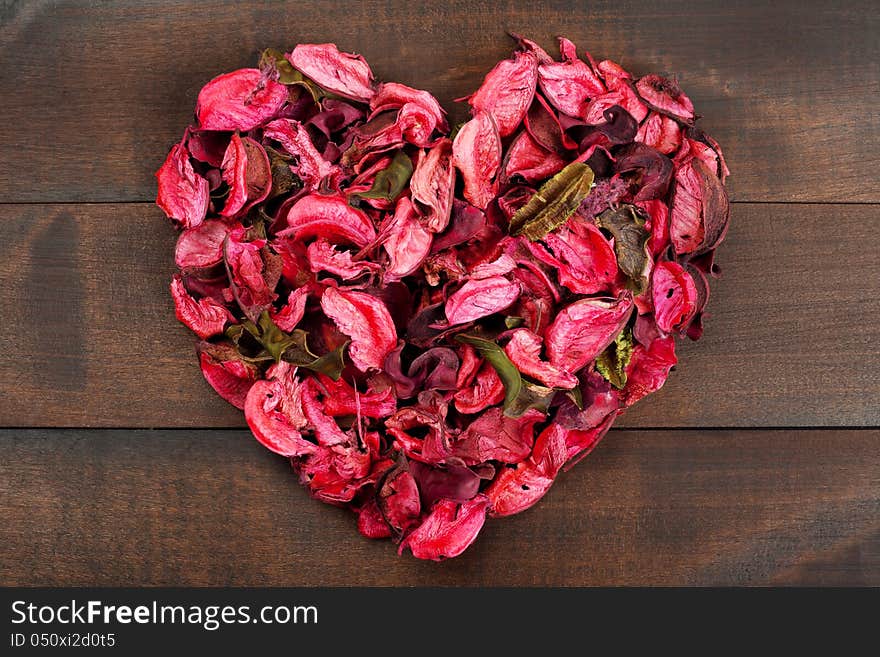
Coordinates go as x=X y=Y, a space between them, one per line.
x=240 y=100
x=648 y=369
x=201 y=247
x=448 y=530
x=433 y=184
x=674 y=295
x=273 y=410
x=247 y=172
x=569 y=84
x=293 y=311
x=407 y=244
x=665 y=96
x=524 y=351
x=331 y=217
x=230 y=377
x=582 y=330
x=530 y=161
x=183 y=194
x=481 y=298
x=364 y=319
x=310 y=167
x=323 y=256
x=344 y=74
x=204 y=317
x=508 y=90
x=476 y=152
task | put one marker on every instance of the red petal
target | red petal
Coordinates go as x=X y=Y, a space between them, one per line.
x=661 y=133
x=371 y=523
x=648 y=369
x=344 y=74
x=481 y=298
x=330 y=217
x=366 y=320
x=585 y=262
x=273 y=410
x=201 y=247
x=495 y=437
x=433 y=184
x=582 y=330
x=240 y=100
x=204 y=317
x=231 y=378
x=183 y=194
x=293 y=311
x=323 y=256
x=247 y=172
x=407 y=244
x=530 y=161
x=342 y=399
x=507 y=91
x=569 y=85
x=244 y=262
x=524 y=351
x=476 y=152
x=310 y=167
x=486 y=390
x=674 y=295
x=448 y=530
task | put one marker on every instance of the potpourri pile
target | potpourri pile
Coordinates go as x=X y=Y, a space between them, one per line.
x=432 y=323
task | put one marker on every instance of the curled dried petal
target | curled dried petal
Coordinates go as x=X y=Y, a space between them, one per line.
x=240 y=100
x=204 y=317
x=366 y=320
x=476 y=152
x=247 y=171
x=674 y=295
x=448 y=530
x=341 y=73
x=480 y=298
x=582 y=330
x=524 y=351
x=183 y=194
x=665 y=96
x=507 y=91
x=433 y=184
x=331 y=217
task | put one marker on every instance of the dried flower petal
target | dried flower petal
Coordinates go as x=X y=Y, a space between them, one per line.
x=366 y=320
x=507 y=91
x=583 y=329
x=480 y=298
x=448 y=530
x=476 y=152
x=341 y=73
x=240 y=100
x=183 y=194
x=331 y=217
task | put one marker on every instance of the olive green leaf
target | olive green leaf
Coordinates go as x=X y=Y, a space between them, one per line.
x=519 y=395
x=553 y=204
x=271 y=57
x=264 y=342
x=612 y=362
x=391 y=180
x=284 y=180
x=626 y=223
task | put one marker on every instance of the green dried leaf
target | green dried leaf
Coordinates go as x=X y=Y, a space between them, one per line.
x=264 y=342
x=519 y=395
x=284 y=180
x=612 y=362
x=553 y=204
x=390 y=181
x=512 y=322
x=276 y=59
x=626 y=224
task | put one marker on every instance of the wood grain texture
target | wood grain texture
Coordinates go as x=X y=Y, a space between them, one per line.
x=95 y=93
x=652 y=507
x=791 y=341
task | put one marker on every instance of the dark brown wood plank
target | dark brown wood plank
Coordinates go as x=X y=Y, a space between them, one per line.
x=792 y=340
x=653 y=507
x=95 y=93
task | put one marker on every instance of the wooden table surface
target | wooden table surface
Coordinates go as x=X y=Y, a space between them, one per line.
x=758 y=463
